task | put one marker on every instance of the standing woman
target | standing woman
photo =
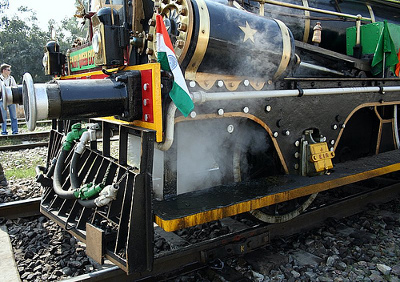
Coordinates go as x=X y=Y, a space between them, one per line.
x=8 y=80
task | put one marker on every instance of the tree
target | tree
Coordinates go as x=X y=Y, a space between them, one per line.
x=23 y=42
x=4 y=4
x=68 y=31
x=22 y=46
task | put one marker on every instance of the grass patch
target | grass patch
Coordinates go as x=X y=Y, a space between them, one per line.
x=8 y=142
x=20 y=173
x=19 y=166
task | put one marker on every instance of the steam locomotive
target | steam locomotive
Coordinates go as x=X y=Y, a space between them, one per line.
x=291 y=98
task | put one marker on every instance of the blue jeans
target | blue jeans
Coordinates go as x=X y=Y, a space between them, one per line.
x=13 y=116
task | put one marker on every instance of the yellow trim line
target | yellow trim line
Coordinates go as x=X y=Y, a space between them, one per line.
x=246 y=206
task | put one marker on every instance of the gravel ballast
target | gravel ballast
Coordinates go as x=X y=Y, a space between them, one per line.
x=363 y=247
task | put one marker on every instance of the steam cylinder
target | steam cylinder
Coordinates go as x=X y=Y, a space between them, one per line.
x=239 y=43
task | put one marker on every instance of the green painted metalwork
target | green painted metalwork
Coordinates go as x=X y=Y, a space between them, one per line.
x=370 y=34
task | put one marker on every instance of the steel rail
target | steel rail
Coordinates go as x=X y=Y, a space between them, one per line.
x=27 y=136
x=23 y=146
x=198 y=254
x=22 y=121
x=21 y=208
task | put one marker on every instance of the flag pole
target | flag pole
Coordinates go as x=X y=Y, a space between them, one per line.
x=383 y=64
x=112 y=12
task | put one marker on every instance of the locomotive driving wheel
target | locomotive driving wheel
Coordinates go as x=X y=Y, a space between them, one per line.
x=262 y=163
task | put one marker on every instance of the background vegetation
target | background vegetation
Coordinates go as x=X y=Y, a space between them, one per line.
x=22 y=44
x=22 y=41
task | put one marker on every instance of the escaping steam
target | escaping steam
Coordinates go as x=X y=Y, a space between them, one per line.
x=215 y=152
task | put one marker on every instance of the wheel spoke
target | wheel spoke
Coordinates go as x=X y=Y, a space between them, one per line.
x=284 y=212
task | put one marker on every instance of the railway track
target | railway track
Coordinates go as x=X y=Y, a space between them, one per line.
x=21 y=121
x=24 y=140
x=184 y=256
x=21 y=208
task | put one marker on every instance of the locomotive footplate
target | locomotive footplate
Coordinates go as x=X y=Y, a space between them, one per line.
x=222 y=201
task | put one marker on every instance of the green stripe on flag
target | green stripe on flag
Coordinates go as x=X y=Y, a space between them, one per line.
x=181 y=99
x=163 y=60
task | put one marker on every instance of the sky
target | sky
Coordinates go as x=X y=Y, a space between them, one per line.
x=45 y=9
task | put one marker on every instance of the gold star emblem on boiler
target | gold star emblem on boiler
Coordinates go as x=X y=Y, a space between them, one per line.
x=248 y=32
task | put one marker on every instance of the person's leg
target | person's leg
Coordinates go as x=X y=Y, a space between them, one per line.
x=13 y=116
x=4 y=123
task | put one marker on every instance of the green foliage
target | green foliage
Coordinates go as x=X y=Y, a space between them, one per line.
x=21 y=173
x=22 y=45
x=22 y=168
x=23 y=41
x=4 y=4
x=68 y=31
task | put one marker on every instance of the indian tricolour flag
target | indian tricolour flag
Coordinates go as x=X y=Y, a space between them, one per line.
x=166 y=56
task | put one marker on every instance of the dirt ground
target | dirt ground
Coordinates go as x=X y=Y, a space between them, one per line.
x=20 y=111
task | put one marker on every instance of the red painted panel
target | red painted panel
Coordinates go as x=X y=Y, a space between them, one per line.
x=147 y=96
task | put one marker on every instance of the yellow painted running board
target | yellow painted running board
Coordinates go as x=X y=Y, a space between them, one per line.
x=296 y=186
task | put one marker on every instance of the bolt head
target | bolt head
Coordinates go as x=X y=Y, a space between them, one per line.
x=180 y=44
x=182 y=27
x=149 y=37
x=183 y=11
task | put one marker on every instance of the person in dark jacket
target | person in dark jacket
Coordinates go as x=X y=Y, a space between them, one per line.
x=3 y=180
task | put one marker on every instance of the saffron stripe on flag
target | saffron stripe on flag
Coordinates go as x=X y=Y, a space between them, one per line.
x=167 y=58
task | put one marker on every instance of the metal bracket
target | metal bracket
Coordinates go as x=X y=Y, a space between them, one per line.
x=240 y=247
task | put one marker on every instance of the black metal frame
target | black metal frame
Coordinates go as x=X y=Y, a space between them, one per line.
x=127 y=223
